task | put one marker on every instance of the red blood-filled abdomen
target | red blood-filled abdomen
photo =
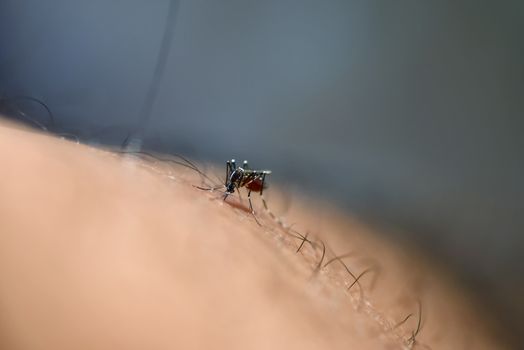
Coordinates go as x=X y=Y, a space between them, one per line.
x=255 y=185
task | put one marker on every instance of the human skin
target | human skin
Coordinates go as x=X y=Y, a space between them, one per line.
x=100 y=250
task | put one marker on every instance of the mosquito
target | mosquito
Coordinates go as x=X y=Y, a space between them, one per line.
x=243 y=176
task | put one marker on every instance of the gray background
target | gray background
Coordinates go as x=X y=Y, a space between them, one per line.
x=409 y=113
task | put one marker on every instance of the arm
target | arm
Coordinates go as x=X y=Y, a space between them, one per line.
x=104 y=251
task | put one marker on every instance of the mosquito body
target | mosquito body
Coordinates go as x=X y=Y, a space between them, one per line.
x=237 y=177
x=252 y=180
x=243 y=176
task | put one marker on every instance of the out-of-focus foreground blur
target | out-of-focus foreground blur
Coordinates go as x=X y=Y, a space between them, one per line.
x=407 y=113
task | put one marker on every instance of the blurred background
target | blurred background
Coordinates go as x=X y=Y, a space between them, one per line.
x=407 y=113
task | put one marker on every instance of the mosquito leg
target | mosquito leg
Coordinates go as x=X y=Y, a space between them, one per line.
x=273 y=216
x=250 y=203
x=251 y=208
x=228 y=169
x=262 y=197
x=248 y=179
x=263 y=183
x=266 y=207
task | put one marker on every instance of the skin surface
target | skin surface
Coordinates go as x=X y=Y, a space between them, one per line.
x=108 y=251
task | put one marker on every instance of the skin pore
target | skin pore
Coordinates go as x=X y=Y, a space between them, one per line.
x=100 y=250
